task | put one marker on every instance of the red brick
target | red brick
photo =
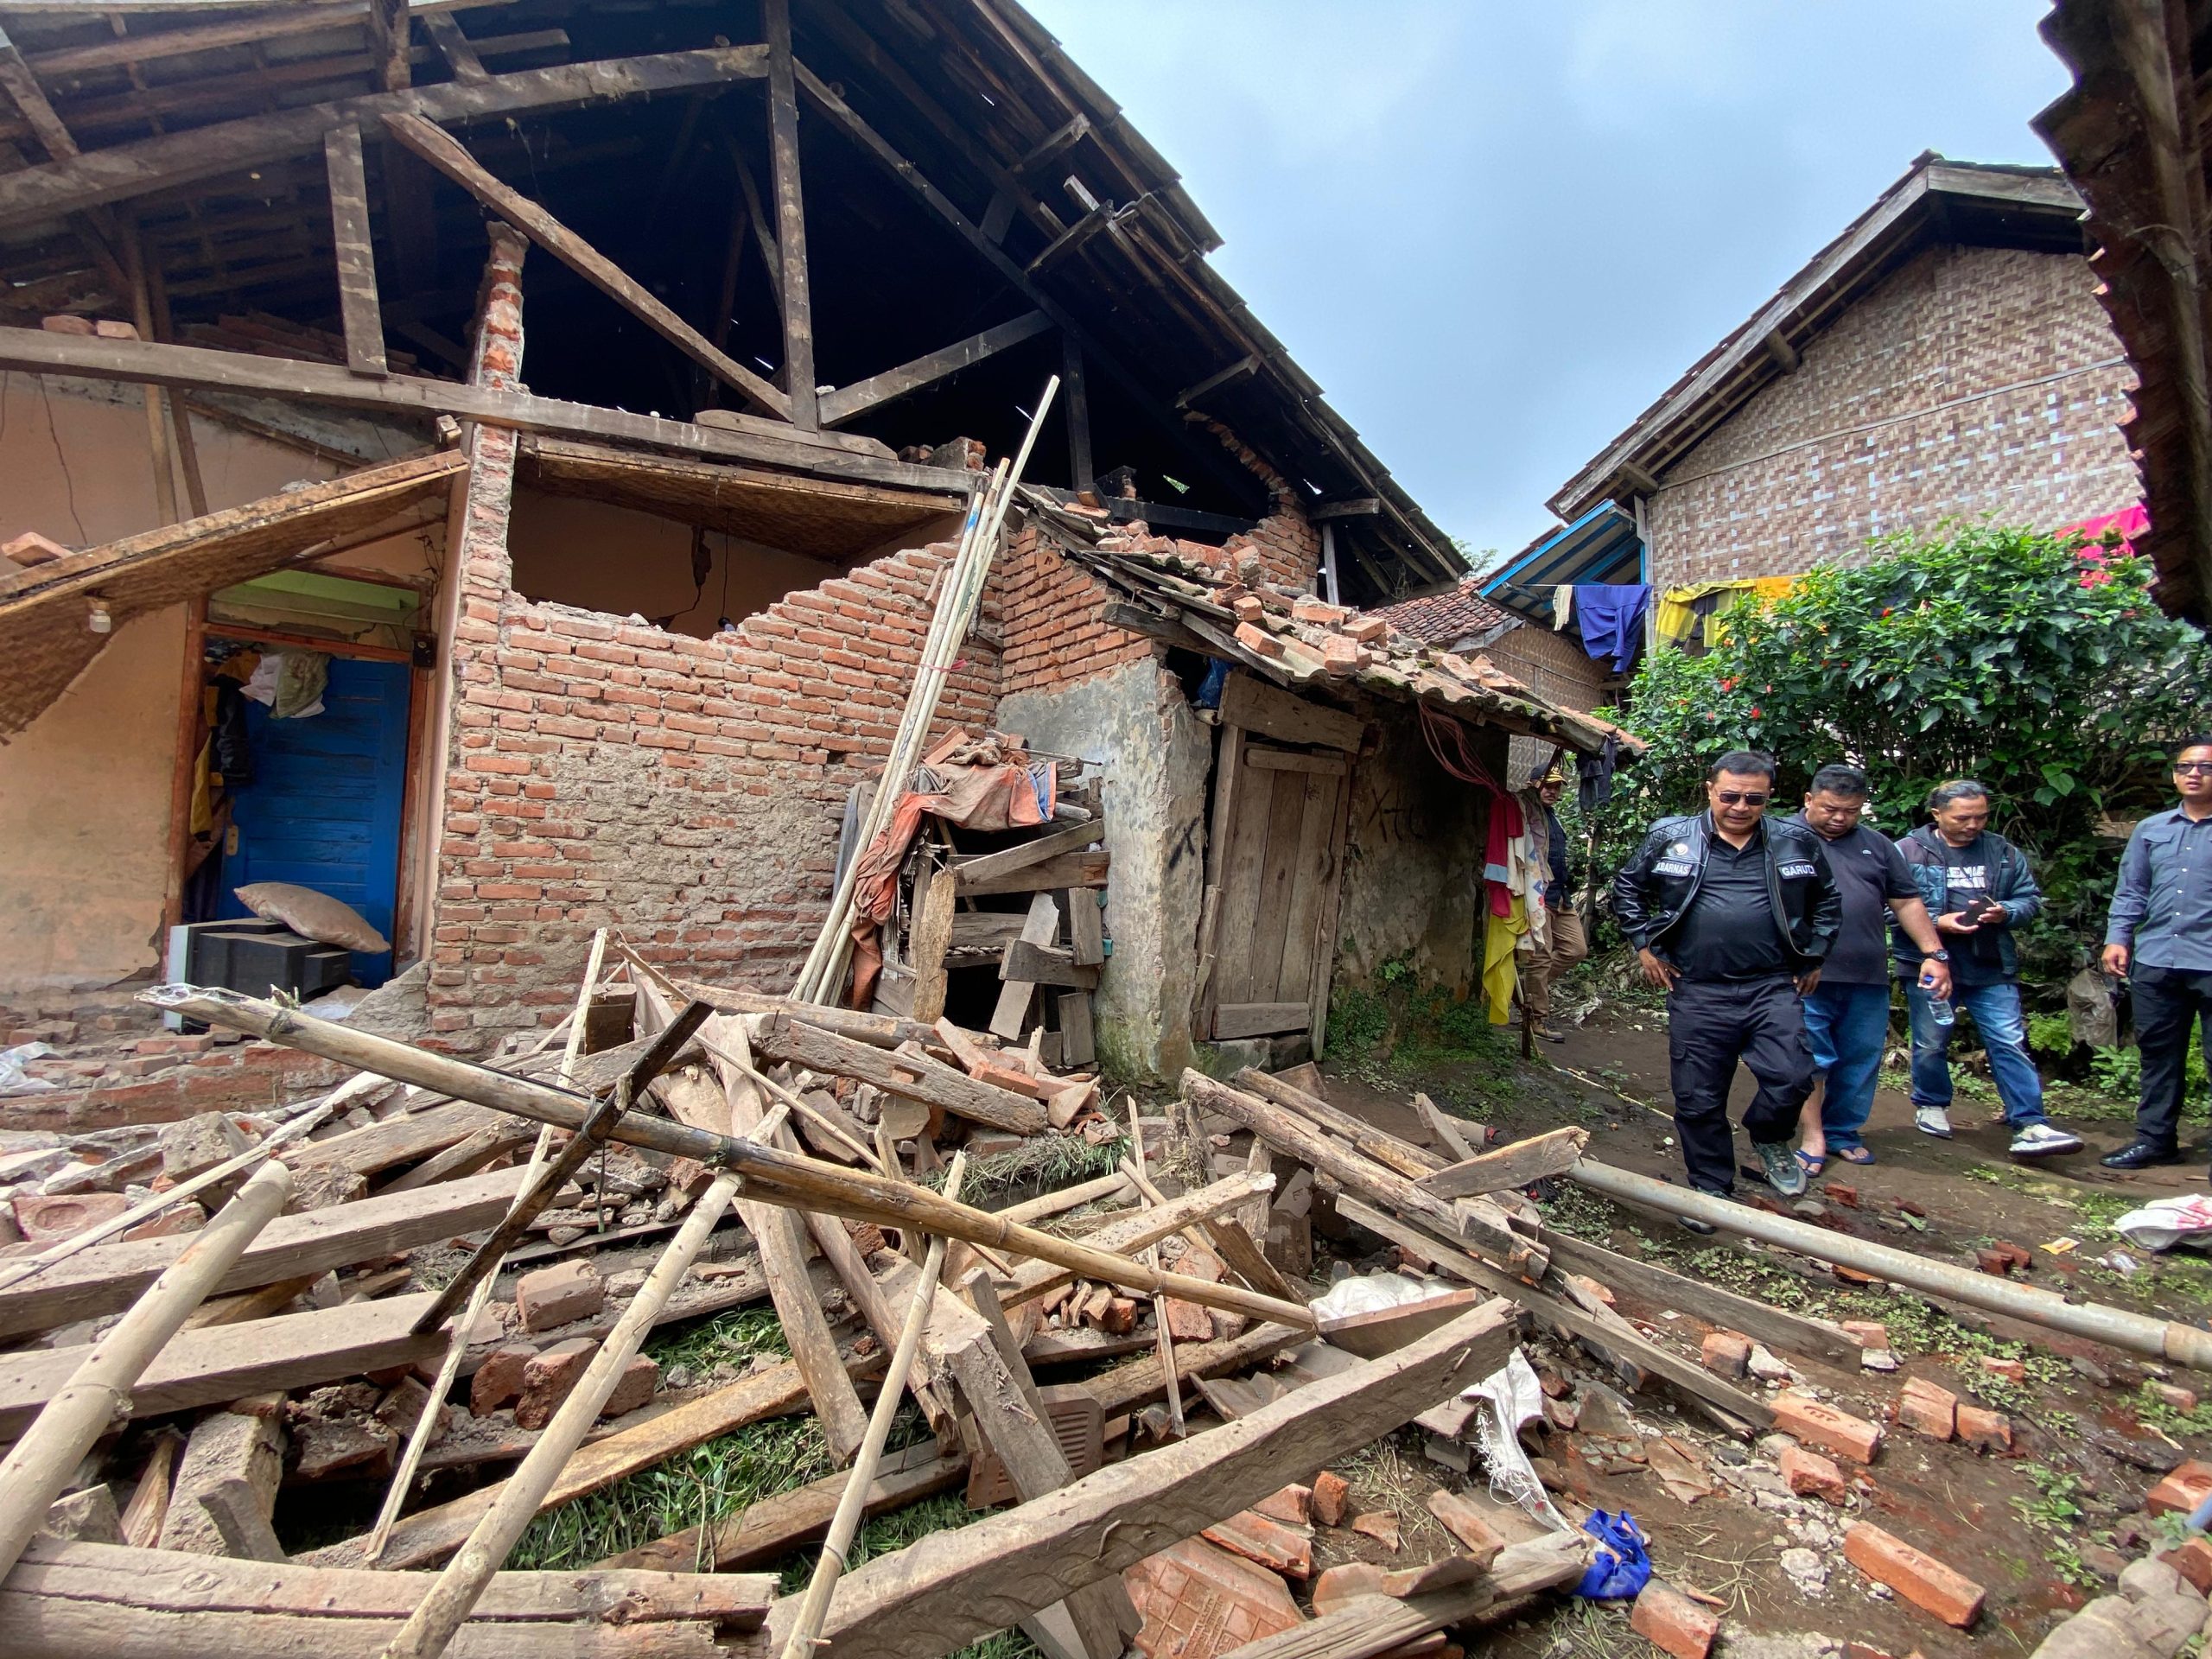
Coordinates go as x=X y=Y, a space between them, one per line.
x=1811 y=1475
x=547 y=1378
x=1991 y=1431
x=1866 y=1334
x=2193 y=1560
x=1670 y=1621
x=1198 y=1602
x=2179 y=1398
x=1933 y=1410
x=1285 y=1549
x=635 y=1388
x=1347 y=1582
x=1294 y=1504
x=1825 y=1427
x=559 y=1295
x=499 y=1379
x=48 y=1221
x=1913 y=1574
x=1727 y=1354
x=1331 y=1499
x=2012 y=1370
x=2183 y=1488
x=1258 y=641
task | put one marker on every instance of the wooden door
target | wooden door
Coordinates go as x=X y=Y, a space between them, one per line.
x=1276 y=851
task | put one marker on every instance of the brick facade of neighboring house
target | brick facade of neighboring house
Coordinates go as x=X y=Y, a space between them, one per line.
x=1464 y=619
x=1972 y=381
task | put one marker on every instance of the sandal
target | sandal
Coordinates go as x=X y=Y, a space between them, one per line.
x=1855 y=1155
x=1813 y=1164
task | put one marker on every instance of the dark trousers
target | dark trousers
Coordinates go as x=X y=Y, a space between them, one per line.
x=2166 y=1000
x=1711 y=1025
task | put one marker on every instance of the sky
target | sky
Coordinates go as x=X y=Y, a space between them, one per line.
x=1496 y=232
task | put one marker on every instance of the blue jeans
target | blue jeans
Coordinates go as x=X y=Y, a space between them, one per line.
x=1848 y=1026
x=1996 y=1011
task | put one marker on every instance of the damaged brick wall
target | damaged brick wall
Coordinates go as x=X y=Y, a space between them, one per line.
x=1796 y=478
x=690 y=791
x=1553 y=664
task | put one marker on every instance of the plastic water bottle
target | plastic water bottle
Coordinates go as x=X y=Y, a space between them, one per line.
x=1939 y=1007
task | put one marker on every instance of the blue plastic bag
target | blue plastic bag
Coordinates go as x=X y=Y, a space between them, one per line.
x=1623 y=1563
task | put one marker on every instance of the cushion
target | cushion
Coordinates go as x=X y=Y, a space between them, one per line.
x=312 y=915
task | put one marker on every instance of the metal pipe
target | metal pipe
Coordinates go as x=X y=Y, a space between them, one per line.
x=2167 y=1339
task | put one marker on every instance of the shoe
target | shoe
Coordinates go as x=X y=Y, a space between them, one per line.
x=1549 y=1032
x=1778 y=1163
x=2043 y=1141
x=2140 y=1156
x=1932 y=1120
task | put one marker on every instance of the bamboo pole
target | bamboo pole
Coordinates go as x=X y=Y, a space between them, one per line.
x=418 y=1438
x=1164 y=1339
x=97 y=1396
x=430 y=1628
x=829 y=1565
x=769 y=1173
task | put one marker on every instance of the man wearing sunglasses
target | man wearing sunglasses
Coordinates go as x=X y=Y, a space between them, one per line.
x=2159 y=936
x=1733 y=912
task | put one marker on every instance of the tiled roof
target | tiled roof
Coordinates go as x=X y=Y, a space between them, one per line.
x=1440 y=619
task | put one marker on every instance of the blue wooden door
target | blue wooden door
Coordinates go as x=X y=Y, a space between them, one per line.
x=323 y=808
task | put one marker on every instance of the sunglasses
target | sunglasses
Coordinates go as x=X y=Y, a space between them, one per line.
x=2193 y=766
x=1737 y=798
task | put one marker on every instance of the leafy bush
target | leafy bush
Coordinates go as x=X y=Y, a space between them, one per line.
x=2050 y=1035
x=1398 y=1016
x=2043 y=668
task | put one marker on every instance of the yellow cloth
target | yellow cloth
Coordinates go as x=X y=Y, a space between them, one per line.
x=203 y=798
x=1500 y=976
x=1675 y=617
x=1759 y=591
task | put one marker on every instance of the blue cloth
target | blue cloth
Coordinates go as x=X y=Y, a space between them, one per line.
x=2162 y=904
x=1610 y=616
x=1996 y=1011
x=1622 y=1563
x=1848 y=1026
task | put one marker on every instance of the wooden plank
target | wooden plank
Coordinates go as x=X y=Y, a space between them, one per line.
x=435 y=145
x=144 y=48
x=1078 y=1039
x=1325 y=922
x=1258 y=707
x=1075 y=390
x=1221 y=832
x=20 y=83
x=1131 y=1232
x=847 y=402
x=1297 y=800
x=119 y=171
x=1463 y=1139
x=912 y=1077
x=877 y=1030
x=932 y=933
x=357 y=263
x=1521 y=1164
x=455 y=47
x=1244 y=866
x=1331 y=765
x=1068 y=870
x=790 y=216
x=1373 y=1334
x=217 y=1362
x=1377 y=1143
x=1662 y=1290
x=1309 y=891
x=765 y=1532
x=1015 y=994
x=108 y=1277
x=1127 y=1387
x=1258 y=1019
x=951 y=1587
x=1044 y=964
x=398 y=1140
x=1086 y=927
x=1027 y=854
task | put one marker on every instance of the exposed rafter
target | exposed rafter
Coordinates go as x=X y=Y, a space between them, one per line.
x=848 y=401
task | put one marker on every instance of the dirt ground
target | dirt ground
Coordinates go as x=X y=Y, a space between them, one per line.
x=2043 y=1527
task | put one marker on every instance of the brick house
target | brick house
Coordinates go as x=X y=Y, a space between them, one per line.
x=591 y=665
x=1945 y=357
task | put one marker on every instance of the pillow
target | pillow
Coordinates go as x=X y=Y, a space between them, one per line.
x=312 y=915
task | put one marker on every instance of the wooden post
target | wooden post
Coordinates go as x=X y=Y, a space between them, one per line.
x=791 y=218
x=1163 y=1339
x=430 y=1628
x=1080 y=467
x=356 y=265
x=831 y=1563
x=94 y=1399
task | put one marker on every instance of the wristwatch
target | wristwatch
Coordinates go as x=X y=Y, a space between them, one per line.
x=1934 y=956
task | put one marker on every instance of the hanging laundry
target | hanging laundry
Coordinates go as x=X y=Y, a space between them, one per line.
x=1594 y=773
x=289 y=683
x=1612 y=619
x=1678 y=615
x=1562 y=606
x=1501 y=974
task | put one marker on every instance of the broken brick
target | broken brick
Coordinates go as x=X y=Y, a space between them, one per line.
x=1348 y=1582
x=1120 y=1316
x=547 y=1378
x=1465 y=1520
x=1727 y=1354
x=1286 y=1550
x=1931 y=1409
x=1867 y=1333
x=1367 y=630
x=2193 y=1560
x=196 y=1145
x=1670 y=1621
x=1913 y=1574
x=559 y=1295
x=1991 y=1431
x=635 y=1388
x=1258 y=642
x=48 y=1221
x=1339 y=655
x=499 y=1379
x=1248 y=608
x=1187 y=1321
x=1839 y=1193
x=1811 y=1475
x=1198 y=1602
x=1380 y=1525
x=1332 y=1496
x=1825 y=1427
x=2174 y=1395
x=1294 y=1504
x=2186 y=1486
x=2012 y=1370
x=1307 y=608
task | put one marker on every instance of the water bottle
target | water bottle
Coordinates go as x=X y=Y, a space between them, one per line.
x=1939 y=1007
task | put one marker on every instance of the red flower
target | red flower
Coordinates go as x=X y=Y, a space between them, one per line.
x=1755 y=714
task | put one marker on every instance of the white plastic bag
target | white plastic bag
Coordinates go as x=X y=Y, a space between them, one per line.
x=2163 y=1222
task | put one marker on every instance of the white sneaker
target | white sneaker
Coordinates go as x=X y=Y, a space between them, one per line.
x=1932 y=1120
x=2043 y=1141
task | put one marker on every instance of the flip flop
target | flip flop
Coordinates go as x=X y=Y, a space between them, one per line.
x=1812 y=1165
x=1853 y=1154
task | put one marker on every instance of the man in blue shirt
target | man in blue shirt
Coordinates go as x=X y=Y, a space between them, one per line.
x=2159 y=936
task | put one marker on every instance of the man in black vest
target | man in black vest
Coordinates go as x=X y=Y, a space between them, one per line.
x=1732 y=912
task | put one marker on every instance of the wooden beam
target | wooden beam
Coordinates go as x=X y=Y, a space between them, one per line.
x=951 y=1587
x=1521 y=1164
x=1045 y=964
x=124 y=170
x=1139 y=1228
x=791 y=218
x=199 y=369
x=1268 y=711
x=437 y=147
x=1067 y=870
x=913 y=1077
x=250 y=31
x=1242 y=367
x=847 y=402
x=1366 y=506
x=1041 y=927
x=356 y=259
x=389 y=42
x=1075 y=393
x=444 y=30
x=21 y=84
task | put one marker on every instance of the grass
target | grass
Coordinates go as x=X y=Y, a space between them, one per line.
x=730 y=1340
x=1043 y=1163
x=2053 y=1510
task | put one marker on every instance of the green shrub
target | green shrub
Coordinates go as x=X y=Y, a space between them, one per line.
x=1398 y=1015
